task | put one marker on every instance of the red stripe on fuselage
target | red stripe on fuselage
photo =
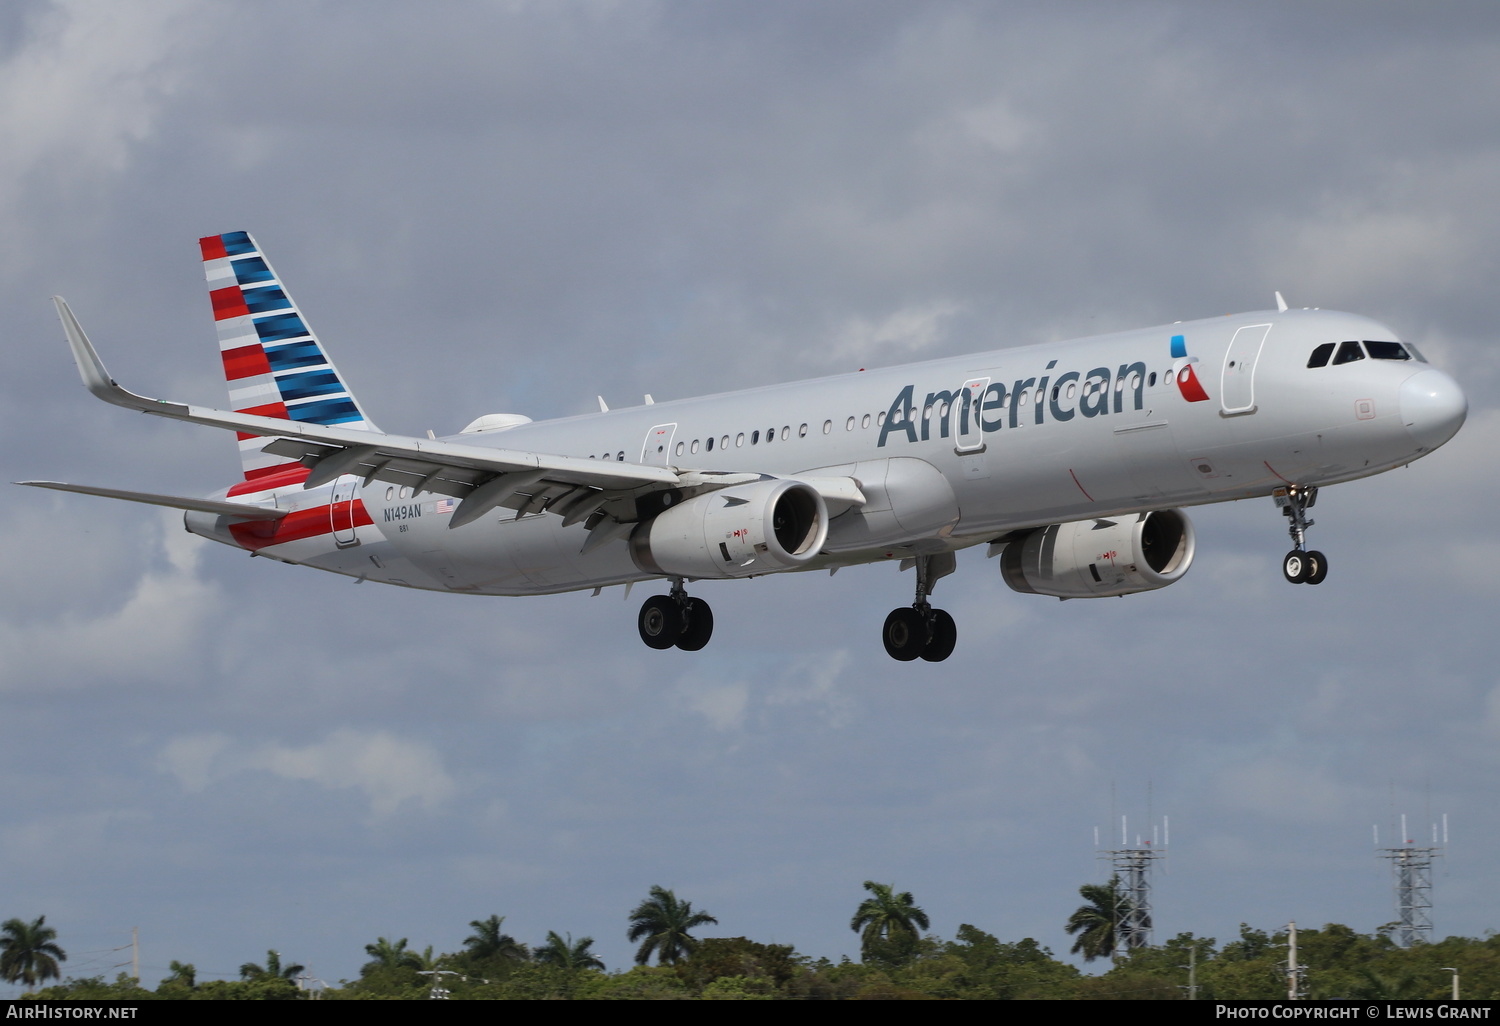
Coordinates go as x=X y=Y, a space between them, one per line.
x=296 y=526
x=244 y=362
x=228 y=302
x=278 y=475
x=213 y=247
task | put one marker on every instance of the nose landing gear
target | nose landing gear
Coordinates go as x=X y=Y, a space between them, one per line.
x=918 y=630
x=676 y=620
x=1301 y=565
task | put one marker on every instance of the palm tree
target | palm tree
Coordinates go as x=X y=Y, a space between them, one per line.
x=488 y=941
x=184 y=973
x=661 y=923
x=887 y=922
x=385 y=955
x=566 y=954
x=272 y=970
x=27 y=952
x=1098 y=922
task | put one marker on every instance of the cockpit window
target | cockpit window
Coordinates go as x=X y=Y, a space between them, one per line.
x=1348 y=353
x=1320 y=355
x=1415 y=353
x=1386 y=351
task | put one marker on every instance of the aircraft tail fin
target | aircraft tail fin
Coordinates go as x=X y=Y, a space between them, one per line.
x=273 y=363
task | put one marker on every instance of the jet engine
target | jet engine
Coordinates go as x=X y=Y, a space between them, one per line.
x=741 y=531
x=1101 y=557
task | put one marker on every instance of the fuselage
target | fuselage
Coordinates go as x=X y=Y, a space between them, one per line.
x=947 y=453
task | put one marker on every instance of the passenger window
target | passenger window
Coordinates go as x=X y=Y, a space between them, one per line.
x=1348 y=353
x=695 y=447
x=849 y=424
x=786 y=432
x=1386 y=351
x=827 y=426
x=864 y=421
x=755 y=438
x=802 y=431
x=708 y=446
x=880 y=419
x=1320 y=355
x=1150 y=382
x=620 y=456
x=739 y=440
x=724 y=442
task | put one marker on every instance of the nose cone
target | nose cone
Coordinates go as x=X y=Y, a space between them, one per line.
x=1433 y=408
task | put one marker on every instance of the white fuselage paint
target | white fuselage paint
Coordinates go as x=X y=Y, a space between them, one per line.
x=1268 y=420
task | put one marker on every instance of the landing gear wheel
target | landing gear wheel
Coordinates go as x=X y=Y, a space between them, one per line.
x=1296 y=566
x=904 y=634
x=1319 y=567
x=699 y=625
x=660 y=622
x=944 y=636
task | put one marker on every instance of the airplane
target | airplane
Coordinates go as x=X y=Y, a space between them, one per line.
x=1070 y=461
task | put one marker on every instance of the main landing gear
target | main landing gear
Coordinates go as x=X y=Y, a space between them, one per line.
x=919 y=630
x=676 y=619
x=1301 y=565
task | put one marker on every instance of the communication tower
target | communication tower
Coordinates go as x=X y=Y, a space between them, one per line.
x=1131 y=864
x=1412 y=865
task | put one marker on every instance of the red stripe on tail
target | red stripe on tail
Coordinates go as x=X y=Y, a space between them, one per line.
x=228 y=303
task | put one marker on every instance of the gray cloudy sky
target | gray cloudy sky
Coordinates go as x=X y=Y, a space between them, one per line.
x=511 y=207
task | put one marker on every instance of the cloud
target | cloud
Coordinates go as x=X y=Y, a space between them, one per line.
x=154 y=632
x=392 y=773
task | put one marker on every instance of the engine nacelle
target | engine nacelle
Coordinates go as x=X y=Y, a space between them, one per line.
x=741 y=531
x=1102 y=557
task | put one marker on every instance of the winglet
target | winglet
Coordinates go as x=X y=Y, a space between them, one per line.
x=95 y=377
x=90 y=367
x=1280 y=303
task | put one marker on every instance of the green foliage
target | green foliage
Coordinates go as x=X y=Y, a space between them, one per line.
x=272 y=970
x=661 y=923
x=739 y=958
x=1097 y=923
x=262 y=988
x=28 y=953
x=93 y=988
x=887 y=924
x=491 y=951
x=566 y=954
x=642 y=983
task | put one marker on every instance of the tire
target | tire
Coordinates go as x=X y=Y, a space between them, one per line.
x=904 y=634
x=1319 y=567
x=1296 y=566
x=660 y=622
x=699 y=628
x=944 y=637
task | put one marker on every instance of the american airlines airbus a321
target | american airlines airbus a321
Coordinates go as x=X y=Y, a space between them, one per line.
x=1067 y=460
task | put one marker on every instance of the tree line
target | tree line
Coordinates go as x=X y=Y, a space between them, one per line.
x=898 y=959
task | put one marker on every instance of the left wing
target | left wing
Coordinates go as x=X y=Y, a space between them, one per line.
x=481 y=477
